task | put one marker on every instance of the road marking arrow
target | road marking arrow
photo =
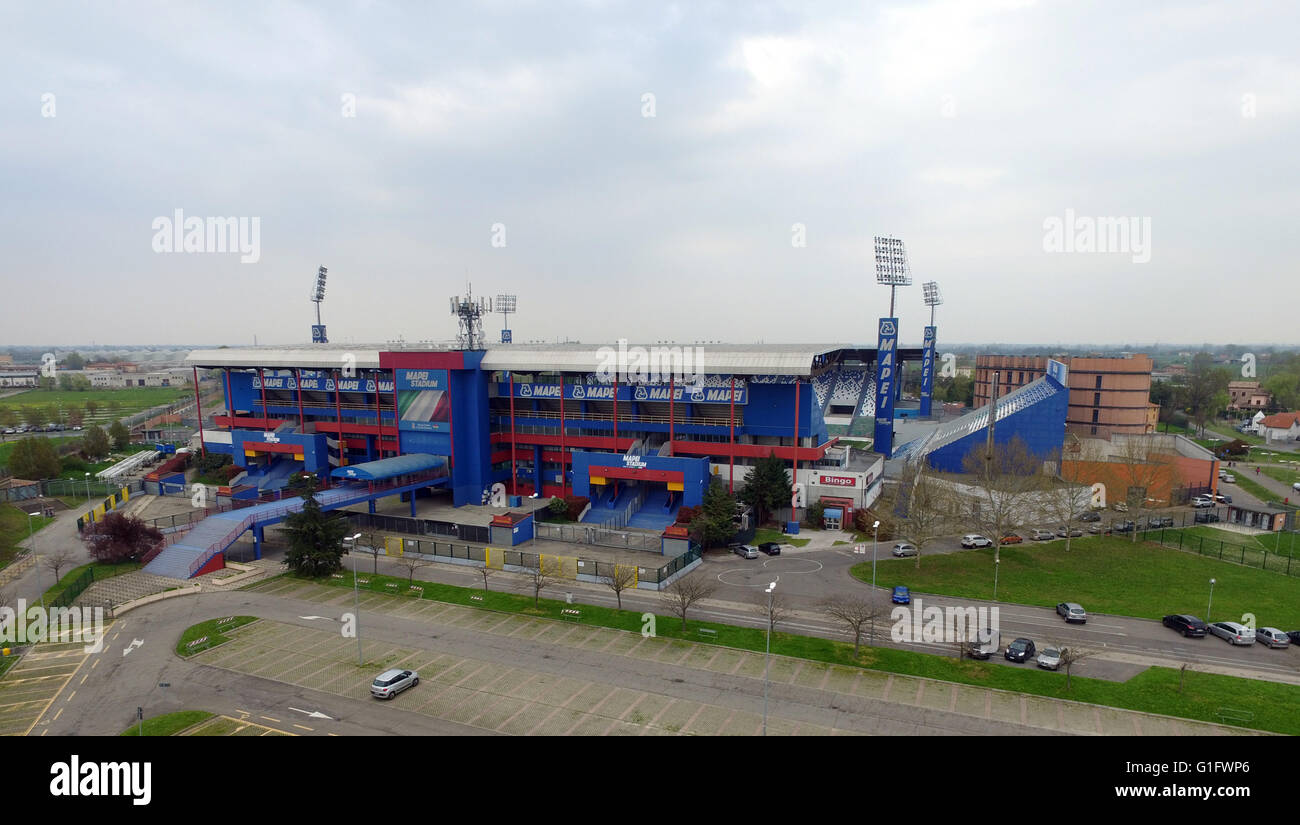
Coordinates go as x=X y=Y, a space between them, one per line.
x=313 y=714
x=134 y=644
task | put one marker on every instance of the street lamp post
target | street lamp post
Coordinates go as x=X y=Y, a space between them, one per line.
x=31 y=543
x=875 y=540
x=1211 y=603
x=996 y=563
x=768 y=666
x=87 y=486
x=356 y=598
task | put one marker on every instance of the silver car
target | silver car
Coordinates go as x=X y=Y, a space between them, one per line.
x=392 y=682
x=745 y=551
x=1272 y=637
x=903 y=549
x=1049 y=658
x=1233 y=633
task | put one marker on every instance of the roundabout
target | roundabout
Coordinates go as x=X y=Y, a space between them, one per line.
x=750 y=576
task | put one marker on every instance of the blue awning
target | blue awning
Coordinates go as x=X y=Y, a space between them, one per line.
x=833 y=512
x=402 y=465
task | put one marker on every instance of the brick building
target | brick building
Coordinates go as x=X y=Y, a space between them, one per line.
x=1107 y=395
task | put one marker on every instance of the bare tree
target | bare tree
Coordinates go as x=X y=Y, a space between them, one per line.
x=56 y=561
x=1064 y=500
x=685 y=593
x=1142 y=467
x=412 y=563
x=619 y=577
x=487 y=573
x=544 y=573
x=773 y=610
x=856 y=613
x=923 y=508
x=370 y=549
x=1008 y=479
x=1071 y=656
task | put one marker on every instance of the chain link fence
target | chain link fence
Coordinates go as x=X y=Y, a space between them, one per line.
x=1277 y=561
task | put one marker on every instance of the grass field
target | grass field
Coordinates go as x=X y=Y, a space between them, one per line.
x=7 y=448
x=1105 y=575
x=131 y=399
x=169 y=724
x=1256 y=489
x=13 y=529
x=1155 y=690
x=209 y=634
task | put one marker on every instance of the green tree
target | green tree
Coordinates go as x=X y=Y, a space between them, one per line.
x=95 y=442
x=92 y=407
x=50 y=413
x=1206 y=390
x=8 y=417
x=315 y=538
x=75 y=415
x=74 y=361
x=32 y=415
x=34 y=459
x=120 y=434
x=714 y=523
x=767 y=488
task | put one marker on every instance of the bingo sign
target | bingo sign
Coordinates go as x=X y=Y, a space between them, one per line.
x=886 y=376
x=423 y=403
x=927 y=370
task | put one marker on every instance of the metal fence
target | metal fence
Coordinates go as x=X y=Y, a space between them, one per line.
x=1277 y=562
x=596 y=534
x=78 y=489
x=420 y=527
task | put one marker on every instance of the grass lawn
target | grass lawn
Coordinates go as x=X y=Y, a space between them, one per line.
x=102 y=571
x=764 y=534
x=212 y=633
x=1256 y=489
x=13 y=529
x=1288 y=475
x=1155 y=690
x=1266 y=456
x=1232 y=435
x=131 y=399
x=7 y=448
x=169 y=724
x=1104 y=574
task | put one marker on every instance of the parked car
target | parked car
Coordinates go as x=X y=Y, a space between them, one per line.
x=1072 y=612
x=1228 y=478
x=903 y=549
x=1020 y=650
x=1120 y=507
x=1160 y=521
x=10 y=431
x=1272 y=637
x=975 y=540
x=771 y=548
x=1123 y=526
x=1296 y=486
x=1233 y=633
x=1089 y=517
x=1188 y=625
x=1222 y=499
x=392 y=682
x=1050 y=658
x=1012 y=538
x=1042 y=535
x=1098 y=529
x=1294 y=636
x=1202 y=501
x=901 y=595
x=78 y=427
x=1071 y=532
x=1206 y=517
x=985 y=644
x=745 y=551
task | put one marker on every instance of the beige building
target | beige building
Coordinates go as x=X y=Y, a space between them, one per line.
x=1247 y=395
x=1107 y=395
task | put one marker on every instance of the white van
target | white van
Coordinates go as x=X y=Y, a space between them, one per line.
x=985 y=644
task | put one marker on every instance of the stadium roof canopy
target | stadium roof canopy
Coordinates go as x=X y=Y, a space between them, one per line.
x=402 y=465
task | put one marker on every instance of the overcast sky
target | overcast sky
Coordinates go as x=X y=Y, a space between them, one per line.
x=386 y=140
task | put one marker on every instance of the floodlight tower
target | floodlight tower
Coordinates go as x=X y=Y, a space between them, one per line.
x=933 y=298
x=893 y=271
x=317 y=296
x=505 y=305
x=470 y=311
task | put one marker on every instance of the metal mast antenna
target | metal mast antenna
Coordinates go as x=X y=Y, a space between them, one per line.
x=470 y=311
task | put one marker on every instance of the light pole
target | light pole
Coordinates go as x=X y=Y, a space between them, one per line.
x=356 y=597
x=996 y=563
x=87 y=486
x=31 y=542
x=768 y=666
x=1211 y=603
x=875 y=540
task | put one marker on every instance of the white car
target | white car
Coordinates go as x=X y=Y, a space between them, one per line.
x=975 y=540
x=1049 y=658
x=1228 y=478
x=1202 y=501
x=1233 y=633
x=392 y=682
x=903 y=549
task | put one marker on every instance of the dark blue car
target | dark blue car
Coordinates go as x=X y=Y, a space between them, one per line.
x=901 y=595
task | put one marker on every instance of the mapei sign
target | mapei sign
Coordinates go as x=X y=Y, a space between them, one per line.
x=640 y=392
x=635 y=462
x=321 y=384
